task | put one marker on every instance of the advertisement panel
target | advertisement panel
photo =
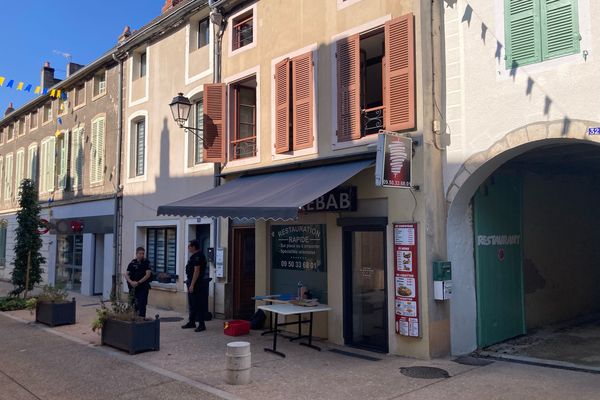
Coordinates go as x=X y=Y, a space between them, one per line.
x=406 y=280
x=394 y=161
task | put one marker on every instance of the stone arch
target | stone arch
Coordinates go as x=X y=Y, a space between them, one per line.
x=469 y=177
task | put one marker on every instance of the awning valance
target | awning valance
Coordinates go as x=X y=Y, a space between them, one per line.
x=275 y=196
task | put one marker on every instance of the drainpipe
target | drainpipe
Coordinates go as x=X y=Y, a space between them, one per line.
x=116 y=230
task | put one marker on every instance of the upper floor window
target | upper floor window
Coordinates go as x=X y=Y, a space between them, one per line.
x=48 y=163
x=243 y=30
x=540 y=30
x=19 y=169
x=11 y=132
x=97 y=150
x=366 y=64
x=195 y=148
x=1 y=171
x=22 y=124
x=32 y=162
x=100 y=83
x=294 y=103
x=243 y=138
x=203 y=32
x=63 y=159
x=47 y=112
x=142 y=65
x=2 y=130
x=8 y=176
x=77 y=140
x=80 y=95
x=33 y=120
x=139 y=147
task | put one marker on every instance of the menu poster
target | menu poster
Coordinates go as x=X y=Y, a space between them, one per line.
x=406 y=282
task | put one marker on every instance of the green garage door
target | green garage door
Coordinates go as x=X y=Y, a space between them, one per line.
x=498 y=258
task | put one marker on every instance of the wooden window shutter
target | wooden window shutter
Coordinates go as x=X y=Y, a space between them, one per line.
x=560 y=28
x=214 y=122
x=522 y=32
x=348 y=88
x=399 y=93
x=302 y=106
x=282 y=106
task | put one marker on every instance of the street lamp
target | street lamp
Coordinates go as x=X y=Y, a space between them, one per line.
x=180 y=108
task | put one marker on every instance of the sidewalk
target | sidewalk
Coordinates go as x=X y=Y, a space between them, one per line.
x=309 y=374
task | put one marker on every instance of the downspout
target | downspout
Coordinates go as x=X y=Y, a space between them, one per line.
x=116 y=290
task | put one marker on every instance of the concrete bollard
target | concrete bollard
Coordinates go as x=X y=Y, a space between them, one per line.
x=238 y=363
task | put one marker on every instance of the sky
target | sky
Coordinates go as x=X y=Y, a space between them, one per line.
x=34 y=31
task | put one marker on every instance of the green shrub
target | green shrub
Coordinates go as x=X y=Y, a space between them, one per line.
x=12 y=303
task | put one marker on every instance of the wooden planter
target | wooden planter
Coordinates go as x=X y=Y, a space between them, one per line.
x=132 y=336
x=54 y=314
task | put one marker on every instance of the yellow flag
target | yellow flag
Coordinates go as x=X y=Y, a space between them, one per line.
x=57 y=133
x=58 y=94
x=37 y=90
x=20 y=86
x=1 y=80
x=53 y=93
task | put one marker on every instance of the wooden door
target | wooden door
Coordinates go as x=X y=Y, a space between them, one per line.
x=243 y=272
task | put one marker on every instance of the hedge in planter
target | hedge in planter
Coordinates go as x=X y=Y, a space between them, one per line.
x=52 y=308
x=123 y=329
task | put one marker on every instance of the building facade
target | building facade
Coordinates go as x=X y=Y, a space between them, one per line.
x=66 y=144
x=521 y=171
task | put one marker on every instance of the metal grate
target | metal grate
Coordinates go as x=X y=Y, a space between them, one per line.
x=170 y=319
x=424 y=372
x=475 y=361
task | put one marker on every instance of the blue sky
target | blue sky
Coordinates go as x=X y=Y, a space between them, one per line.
x=32 y=30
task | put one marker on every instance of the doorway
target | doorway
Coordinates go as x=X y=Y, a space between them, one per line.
x=365 y=288
x=69 y=262
x=98 y=273
x=243 y=272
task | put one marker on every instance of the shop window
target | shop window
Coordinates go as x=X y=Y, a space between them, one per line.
x=161 y=249
x=368 y=62
x=243 y=30
x=243 y=138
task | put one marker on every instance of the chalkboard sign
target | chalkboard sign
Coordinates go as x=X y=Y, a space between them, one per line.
x=298 y=247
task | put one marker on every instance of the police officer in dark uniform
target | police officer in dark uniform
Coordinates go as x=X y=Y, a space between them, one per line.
x=138 y=279
x=196 y=271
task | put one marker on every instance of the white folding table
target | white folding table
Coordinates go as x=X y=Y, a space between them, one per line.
x=292 y=309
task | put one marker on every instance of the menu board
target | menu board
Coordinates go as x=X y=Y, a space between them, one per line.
x=406 y=282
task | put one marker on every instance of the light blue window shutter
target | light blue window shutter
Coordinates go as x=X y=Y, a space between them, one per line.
x=560 y=28
x=522 y=32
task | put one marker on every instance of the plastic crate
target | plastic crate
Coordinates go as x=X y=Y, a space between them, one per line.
x=237 y=327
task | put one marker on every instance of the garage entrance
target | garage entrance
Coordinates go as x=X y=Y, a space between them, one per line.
x=537 y=261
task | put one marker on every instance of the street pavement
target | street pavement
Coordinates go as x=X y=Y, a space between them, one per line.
x=67 y=362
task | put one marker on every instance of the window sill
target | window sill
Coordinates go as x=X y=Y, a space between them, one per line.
x=46 y=122
x=78 y=107
x=363 y=141
x=99 y=96
x=243 y=48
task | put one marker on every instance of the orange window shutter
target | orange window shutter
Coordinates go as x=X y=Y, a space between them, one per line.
x=348 y=84
x=214 y=122
x=282 y=106
x=399 y=101
x=302 y=84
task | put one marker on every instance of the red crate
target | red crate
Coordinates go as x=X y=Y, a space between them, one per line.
x=237 y=327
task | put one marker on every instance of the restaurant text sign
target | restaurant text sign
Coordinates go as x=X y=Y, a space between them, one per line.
x=340 y=199
x=298 y=247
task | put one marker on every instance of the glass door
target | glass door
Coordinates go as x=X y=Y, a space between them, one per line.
x=69 y=261
x=365 y=294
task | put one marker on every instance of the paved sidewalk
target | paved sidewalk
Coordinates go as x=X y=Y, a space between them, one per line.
x=309 y=374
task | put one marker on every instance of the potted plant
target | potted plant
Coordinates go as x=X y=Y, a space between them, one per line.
x=121 y=328
x=52 y=307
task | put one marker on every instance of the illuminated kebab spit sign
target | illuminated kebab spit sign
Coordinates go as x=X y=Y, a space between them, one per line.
x=394 y=161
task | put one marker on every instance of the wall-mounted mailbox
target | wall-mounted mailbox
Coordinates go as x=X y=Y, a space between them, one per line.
x=442 y=280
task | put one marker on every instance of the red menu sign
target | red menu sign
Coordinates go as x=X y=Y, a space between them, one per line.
x=406 y=282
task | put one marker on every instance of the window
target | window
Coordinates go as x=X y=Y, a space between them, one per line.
x=539 y=30
x=47 y=112
x=243 y=30
x=139 y=147
x=80 y=95
x=11 y=132
x=22 y=124
x=8 y=177
x=100 y=83
x=48 y=164
x=142 y=64
x=19 y=169
x=63 y=159
x=97 y=151
x=2 y=130
x=1 y=171
x=3 y=230
x=195 y=148
x=364 y=107
x=161 y=249
x=243 y=141
x=294 y=103
x=33 y=120
x=32 y=162
x=77 y=140
x=203 y=32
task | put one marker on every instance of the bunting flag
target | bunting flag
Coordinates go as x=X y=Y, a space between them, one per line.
x=28 y=87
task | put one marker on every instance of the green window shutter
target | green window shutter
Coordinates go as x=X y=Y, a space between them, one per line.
x=522 y=32
x=560 y=28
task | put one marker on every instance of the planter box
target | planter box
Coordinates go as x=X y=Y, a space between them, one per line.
x=132 y=336
x=54 y=314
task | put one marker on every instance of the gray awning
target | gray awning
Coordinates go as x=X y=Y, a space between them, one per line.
x=276 y=195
